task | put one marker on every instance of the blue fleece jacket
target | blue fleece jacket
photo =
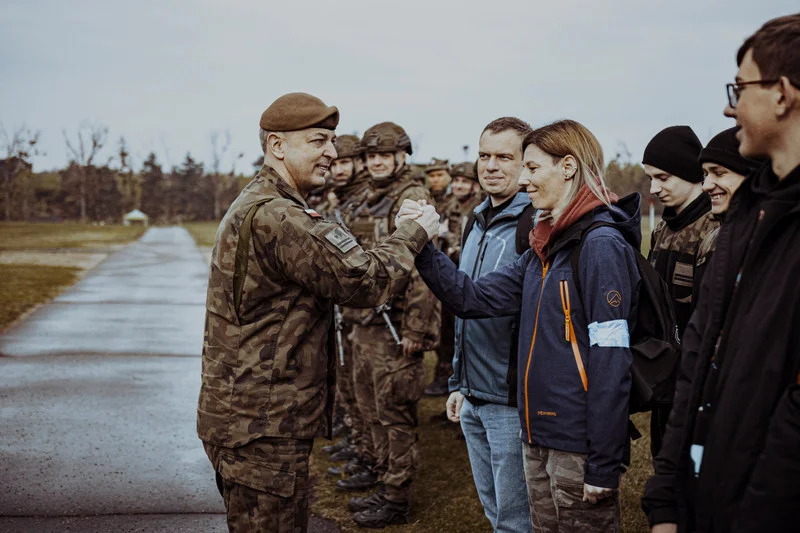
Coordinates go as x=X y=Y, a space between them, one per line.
x=560 y=405
x=484 y=358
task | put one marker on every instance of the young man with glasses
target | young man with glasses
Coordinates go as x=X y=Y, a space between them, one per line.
x=730 y=459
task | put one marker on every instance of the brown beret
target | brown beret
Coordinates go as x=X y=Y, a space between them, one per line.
x=299 y=111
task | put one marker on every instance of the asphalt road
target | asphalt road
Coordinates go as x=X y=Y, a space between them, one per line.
x=98 y=391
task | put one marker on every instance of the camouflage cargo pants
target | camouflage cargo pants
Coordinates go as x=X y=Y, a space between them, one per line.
x=364 y=393
x=398 y=382
x=345 y=393
x=264 y=484
x=555 y=494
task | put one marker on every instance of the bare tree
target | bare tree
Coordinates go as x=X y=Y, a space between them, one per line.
x=90 y=140
x=18 y=149
x=220 y=181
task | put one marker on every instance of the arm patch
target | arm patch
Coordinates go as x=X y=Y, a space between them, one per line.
x=341 y=239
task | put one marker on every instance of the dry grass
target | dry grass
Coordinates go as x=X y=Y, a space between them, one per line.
x=24 y=286
x=40 y=236
x=445 y=499
x=202 y=232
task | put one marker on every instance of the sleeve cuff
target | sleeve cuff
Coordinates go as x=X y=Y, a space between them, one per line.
x=600 y=480
x=414 y=336
x=413 y=233
x=665 y=515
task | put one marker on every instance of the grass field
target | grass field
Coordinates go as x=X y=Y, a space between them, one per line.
x=202 y=232
x=25 y=286
x=27 y=236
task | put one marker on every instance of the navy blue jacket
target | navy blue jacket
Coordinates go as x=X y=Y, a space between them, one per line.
x=572 y=396
x=485 y=357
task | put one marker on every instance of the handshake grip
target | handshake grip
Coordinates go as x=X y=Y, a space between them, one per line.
x=422 y=213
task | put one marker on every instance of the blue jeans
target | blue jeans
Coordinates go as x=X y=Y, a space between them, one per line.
x=493 y=443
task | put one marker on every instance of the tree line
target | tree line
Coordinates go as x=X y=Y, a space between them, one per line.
x=89 y=189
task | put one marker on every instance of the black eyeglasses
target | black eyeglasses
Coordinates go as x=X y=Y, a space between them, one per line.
x=735 y=89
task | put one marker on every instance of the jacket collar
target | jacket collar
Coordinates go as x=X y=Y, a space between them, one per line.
x=699 y=207
x=268 y=174
x=515 y=208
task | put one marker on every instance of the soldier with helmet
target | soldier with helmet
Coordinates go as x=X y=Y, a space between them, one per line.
x=388 y=342
x=438 y=176
x=465 y=196
x=348 y=180
x=277 y=269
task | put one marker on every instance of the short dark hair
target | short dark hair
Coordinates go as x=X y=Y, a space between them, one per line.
x=508 y=123
x=776 y=48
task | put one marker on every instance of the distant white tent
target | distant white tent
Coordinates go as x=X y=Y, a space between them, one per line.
x=135 y=217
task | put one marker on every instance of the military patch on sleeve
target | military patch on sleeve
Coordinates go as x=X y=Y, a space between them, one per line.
x=312 y=213
x=341 y=239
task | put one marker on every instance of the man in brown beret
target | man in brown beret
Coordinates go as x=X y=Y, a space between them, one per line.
x=277 y=269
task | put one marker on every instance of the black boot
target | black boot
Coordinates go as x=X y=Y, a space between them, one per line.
x=362 y=481
x=345 y=454
x=373 y=500
x=356 y=465
x=386 y=514
x=333 y=448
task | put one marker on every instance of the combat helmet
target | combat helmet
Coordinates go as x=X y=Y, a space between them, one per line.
x=437 y=164
x=386 y=137
x=465 y=170
x=347 y=146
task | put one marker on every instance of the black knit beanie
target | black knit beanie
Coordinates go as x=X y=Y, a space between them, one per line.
x=675 y=150
x=723 y=149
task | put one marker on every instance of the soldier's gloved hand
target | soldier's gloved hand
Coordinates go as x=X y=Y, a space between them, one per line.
x=453 y=406
x=594 y=494
x=409 y=210
x=429 y=219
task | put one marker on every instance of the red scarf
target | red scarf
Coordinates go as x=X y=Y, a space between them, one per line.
x=542 y=236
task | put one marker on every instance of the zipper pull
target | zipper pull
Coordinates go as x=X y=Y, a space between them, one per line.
x=566 y=326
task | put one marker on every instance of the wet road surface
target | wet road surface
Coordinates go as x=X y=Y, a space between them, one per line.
x=98 y=391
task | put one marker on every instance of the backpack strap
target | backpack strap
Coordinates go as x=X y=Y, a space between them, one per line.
x=576 y=254
x=468 y=227
x=243 y=253
x=524 y=226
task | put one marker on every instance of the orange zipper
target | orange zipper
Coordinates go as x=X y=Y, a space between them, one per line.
x=545 y=266
x=570 y=332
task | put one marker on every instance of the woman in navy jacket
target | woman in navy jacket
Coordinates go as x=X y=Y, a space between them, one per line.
x=574 y=374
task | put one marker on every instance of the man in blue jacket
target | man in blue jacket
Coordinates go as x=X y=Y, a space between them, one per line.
x=485 y=357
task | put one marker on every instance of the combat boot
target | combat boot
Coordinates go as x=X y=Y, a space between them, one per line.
x=343 y=455
x=373 y=500
x=362 y=481
x=386 y=514
x=333 y=448
x=356 y=465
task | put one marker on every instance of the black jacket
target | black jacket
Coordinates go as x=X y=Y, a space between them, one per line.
x=737 y=397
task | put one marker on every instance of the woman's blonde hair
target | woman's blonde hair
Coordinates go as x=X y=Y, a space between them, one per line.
x=567 y=137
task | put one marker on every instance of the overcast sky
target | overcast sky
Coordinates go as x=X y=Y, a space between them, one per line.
x=165 y=74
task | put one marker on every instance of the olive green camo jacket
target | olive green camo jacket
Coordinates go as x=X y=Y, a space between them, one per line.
x=416 y=313
x=268 y=367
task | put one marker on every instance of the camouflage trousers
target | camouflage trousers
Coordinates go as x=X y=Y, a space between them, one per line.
x=555 y=494
x=345 y=393
x=395 y=388
x=264 y=484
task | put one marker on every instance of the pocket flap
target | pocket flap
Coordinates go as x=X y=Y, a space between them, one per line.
x=257 y=476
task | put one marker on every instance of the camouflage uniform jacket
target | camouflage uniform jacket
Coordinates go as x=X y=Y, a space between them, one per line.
x=456 y=212
x=337 y=209
x=704 y=252
x=416 y=312
x=267 y=365
x=675 y=243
